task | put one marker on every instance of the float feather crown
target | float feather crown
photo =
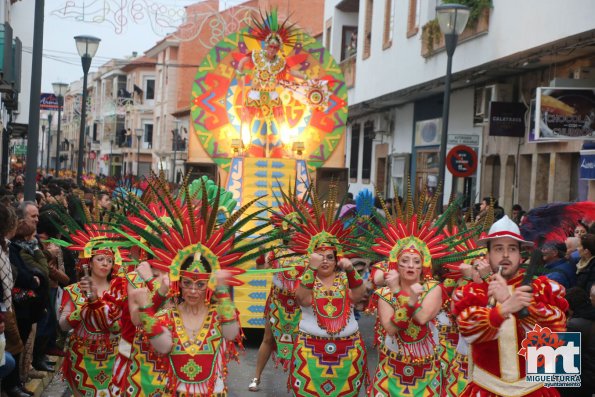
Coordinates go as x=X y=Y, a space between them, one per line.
x=266 y=28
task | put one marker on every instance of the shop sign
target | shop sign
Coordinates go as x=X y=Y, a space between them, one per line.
x=48 y=102
x=587 y=163
x=507 y=119
x=564 y=113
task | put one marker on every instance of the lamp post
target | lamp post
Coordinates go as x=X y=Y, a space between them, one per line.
x=139 y=135
x=47 y=163
x=42 y=142
x=176 y=132
x=86 y=47
x=111 y=155
x=59 y=91
x=452 y=19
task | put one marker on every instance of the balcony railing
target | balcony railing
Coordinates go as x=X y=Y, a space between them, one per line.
x=180 y=145
x=432 y=39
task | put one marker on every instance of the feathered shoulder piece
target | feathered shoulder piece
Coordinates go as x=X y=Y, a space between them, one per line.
x=323 y=228
x=267 y=28
x=414 y=228
x=556 y=221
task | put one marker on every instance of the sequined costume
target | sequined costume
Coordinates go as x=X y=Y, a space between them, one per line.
x=138 y=371
x=92 y=344
x=329 y=356
x=282 y=310
x=196 y=366
x=408 y=363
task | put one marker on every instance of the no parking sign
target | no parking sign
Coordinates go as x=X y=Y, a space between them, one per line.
x=461 y=161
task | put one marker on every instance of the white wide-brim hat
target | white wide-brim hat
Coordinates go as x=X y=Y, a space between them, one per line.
x=505 y=227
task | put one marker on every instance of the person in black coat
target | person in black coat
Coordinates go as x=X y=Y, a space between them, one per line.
x=585 y=275
x=581 y=316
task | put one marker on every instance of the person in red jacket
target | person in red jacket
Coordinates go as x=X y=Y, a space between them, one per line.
x=488 y=315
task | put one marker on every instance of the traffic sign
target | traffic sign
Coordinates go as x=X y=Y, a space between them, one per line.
x=92 y=155
x=461 y=161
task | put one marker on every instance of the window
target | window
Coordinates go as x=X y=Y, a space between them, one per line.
x=354 y=157
x=367 y=156
x=148 y=137
x=368 y=28
x=349 y=45
x=413 y=17
x=150 y=89
x=389 y=23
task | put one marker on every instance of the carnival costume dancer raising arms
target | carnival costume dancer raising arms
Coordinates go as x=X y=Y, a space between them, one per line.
x=329 y=357
x=495 y=332
x=411 y=244
x=196 y=335
x=282 y=312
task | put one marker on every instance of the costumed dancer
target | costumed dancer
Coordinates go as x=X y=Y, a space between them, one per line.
x=495 y=330
x=412 y=243
x=273 y=72
x=197 y=335
x=329 y=357
x=93 y=343
x=282 y=312
x=138 y=371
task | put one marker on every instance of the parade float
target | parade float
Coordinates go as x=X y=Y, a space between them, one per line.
x=269 y=109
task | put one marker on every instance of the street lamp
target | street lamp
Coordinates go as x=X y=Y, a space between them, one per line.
x=59 y=91
x=452 y=19
x=86 y=47
x=47 y=164
x=175 y=144
x=139 y=135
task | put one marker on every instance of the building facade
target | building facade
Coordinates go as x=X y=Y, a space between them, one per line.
x=392 y=54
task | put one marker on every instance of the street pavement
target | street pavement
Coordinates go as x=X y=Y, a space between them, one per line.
x=274 y=380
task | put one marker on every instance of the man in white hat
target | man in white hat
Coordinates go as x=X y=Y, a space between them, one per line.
x=488 y=314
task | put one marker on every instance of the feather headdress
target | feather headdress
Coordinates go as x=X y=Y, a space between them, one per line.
x=415 y=229
x=323 y=228
x=186 y=237
x=86 y=235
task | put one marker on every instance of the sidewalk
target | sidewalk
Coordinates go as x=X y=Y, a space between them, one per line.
x=39 y=385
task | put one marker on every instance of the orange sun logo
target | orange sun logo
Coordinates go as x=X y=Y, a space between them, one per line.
x=540 y=337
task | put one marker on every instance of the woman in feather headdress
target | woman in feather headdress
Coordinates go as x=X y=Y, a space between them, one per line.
x=197 y=334
x=412 y=243
x=93 y=341
x=329 y=357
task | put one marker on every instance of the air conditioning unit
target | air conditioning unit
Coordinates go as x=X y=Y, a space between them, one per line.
x=487 y=94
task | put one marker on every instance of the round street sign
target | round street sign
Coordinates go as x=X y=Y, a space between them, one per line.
x=92 y=155
x=461 y=161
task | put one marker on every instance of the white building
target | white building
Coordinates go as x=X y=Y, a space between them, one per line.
x=396 y=80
